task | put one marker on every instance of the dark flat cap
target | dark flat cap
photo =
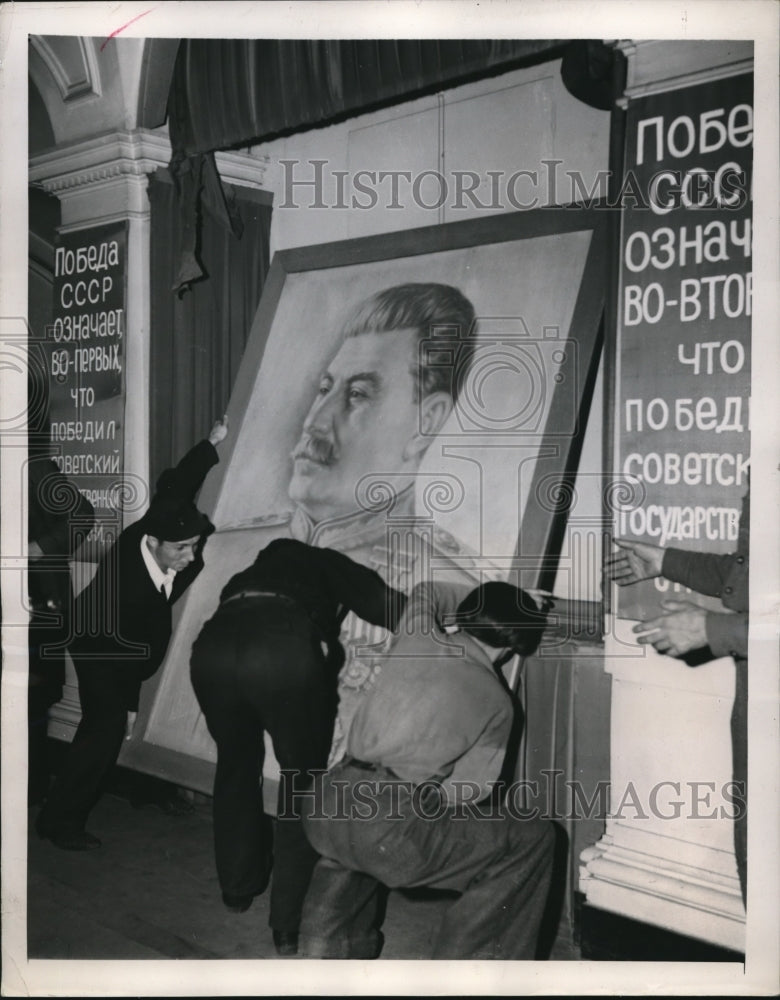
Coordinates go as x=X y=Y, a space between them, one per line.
x=174 y=523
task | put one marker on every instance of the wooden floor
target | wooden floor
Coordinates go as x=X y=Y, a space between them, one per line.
x=151 y=892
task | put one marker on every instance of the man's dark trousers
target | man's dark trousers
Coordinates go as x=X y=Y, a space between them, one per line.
x=258 y=665
x=94 y=750
x=109 y=687
x=370 y=827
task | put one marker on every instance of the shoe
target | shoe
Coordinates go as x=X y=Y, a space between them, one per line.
x=238 y=904
x=241 y=903
x=75 y=840
x=286 y=943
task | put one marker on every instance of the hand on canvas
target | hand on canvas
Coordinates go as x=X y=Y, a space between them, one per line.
x=634 y=562
x=130 y=725
x=219 y=431
x=681 y=628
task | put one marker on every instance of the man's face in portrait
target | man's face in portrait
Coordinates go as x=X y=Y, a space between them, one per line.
x=364 y=420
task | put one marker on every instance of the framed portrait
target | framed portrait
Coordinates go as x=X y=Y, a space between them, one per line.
x=476 y=485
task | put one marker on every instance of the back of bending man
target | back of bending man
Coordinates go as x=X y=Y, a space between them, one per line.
x=268 y=660
x=426 y=746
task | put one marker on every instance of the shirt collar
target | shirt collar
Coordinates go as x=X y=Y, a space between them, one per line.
x=159 y=579
x=351 y=530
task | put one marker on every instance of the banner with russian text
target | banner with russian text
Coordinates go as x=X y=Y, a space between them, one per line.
x=85 y=352
x=683 y=365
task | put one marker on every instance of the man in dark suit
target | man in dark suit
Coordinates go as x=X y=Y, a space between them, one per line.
x=269 y=660
x=121 y=629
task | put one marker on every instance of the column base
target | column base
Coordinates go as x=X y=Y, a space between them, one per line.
x=704 y=898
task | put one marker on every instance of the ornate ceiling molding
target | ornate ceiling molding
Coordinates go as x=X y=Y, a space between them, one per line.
x=101 y=158
x=128 y=154
x=72 y=62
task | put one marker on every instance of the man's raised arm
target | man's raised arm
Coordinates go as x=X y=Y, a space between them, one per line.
x=180 y=484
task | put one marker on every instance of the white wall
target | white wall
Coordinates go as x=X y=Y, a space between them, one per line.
x=514 y=122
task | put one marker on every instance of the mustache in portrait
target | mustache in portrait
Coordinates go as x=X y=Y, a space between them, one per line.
x=316 y=449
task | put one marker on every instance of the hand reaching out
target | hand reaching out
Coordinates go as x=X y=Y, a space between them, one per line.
x=636 y=561
x=681 y=628
x=219 y=431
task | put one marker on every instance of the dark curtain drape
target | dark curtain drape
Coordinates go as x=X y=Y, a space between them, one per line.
x=237 y=92
x=197 y=339
x=230 y=92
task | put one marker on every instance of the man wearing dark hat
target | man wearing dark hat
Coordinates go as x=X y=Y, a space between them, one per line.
x=425 y=748
x=121 y=629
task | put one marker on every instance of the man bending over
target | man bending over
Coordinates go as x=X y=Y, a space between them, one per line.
x=426 y=746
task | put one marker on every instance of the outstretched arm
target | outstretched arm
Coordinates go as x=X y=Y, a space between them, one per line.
x=681 y=628
x=727 y=634
x=363 y=590
x=704 y=572
x=685 y=626
x=180 y=484
x=437 y=603
x=634 y=561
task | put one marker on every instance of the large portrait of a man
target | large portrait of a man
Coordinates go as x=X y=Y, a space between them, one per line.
x=407 y=410
x=379 y=402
